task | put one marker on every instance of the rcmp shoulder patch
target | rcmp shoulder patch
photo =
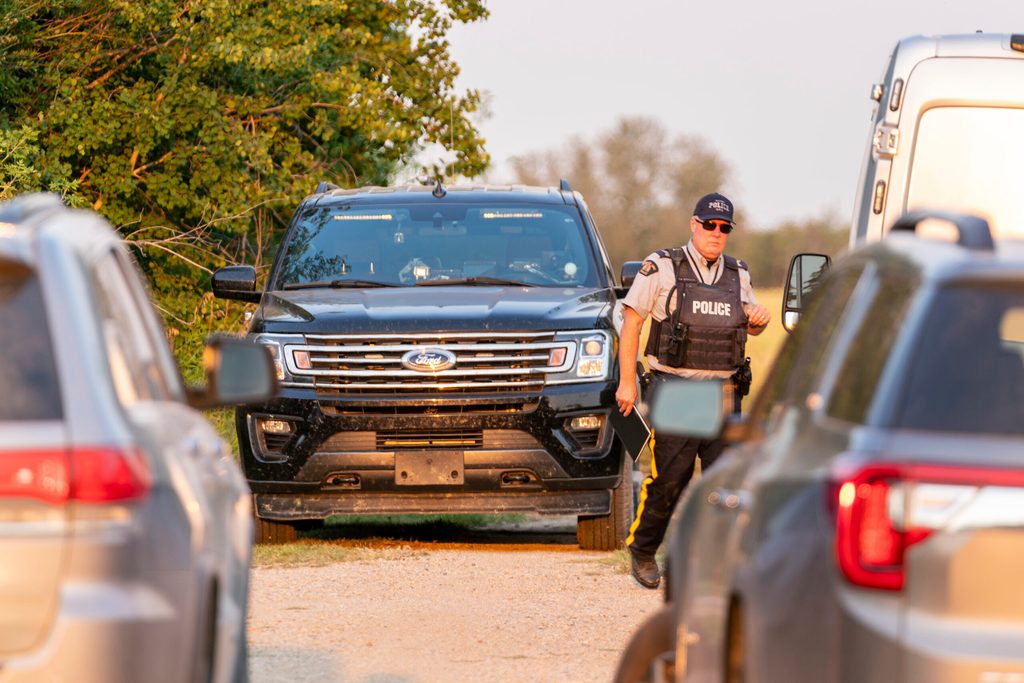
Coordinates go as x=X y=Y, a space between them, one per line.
x=648 y=267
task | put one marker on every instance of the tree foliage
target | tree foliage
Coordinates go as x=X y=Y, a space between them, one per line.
x=196 y=126
x=641 y=183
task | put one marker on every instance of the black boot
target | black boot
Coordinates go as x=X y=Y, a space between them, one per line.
x=644 y=569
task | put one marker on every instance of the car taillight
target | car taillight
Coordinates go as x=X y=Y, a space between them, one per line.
x=882 y=509
x=87 y=475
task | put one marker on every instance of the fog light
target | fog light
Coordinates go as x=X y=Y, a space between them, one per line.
x=557 y=357
x=585 y=422
x=302 y=361
x=275 y=426
x=279 y=369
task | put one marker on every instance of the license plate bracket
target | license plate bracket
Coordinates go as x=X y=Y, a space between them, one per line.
x=430 y=468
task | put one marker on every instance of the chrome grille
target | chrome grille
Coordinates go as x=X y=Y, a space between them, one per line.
x=371 y=365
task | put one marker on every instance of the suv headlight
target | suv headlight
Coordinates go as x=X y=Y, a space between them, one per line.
x=280 y=345
x=593 y=357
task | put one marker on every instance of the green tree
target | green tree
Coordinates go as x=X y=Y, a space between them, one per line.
x=641 y=183
x=768 y=252
x=196 y=126
x=21 y=167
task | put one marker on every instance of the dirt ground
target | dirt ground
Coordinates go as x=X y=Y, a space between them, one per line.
x=515 y=603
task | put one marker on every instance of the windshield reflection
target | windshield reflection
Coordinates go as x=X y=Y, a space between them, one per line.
x=542 y=245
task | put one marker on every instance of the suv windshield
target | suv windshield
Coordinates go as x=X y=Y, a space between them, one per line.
x=968 y=375
x=410 y=244
x=28 y=372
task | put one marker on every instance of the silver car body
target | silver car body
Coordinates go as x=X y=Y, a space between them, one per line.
x=756 y=571
x=946 y=133
x=148 y=588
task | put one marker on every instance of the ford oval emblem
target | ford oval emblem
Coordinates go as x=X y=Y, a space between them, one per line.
x=428 y=360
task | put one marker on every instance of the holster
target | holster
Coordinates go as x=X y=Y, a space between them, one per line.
x=645 y=378
x=742 y=378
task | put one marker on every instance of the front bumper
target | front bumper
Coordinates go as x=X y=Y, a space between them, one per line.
x=340 y=459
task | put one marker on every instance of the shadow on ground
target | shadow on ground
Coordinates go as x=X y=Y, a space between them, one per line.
x=460 y=530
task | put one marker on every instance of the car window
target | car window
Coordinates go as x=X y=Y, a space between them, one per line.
x=871 y=344
x=540 y=245
x=968 y=376
x=803 y=354
x=28 y=370
x=131 y=354
x=165 y=367
x=967 y=159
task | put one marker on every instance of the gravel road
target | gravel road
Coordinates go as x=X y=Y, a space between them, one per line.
x=513 y=606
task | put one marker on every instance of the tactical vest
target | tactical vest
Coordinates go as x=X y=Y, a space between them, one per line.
x=708 y=329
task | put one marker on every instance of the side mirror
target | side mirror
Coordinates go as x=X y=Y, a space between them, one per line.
x=236 y=282
x=805 y=272
x=628 y=273
x=237 y=371
x=690 y=408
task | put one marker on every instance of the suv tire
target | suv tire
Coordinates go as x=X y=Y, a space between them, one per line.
x=651 y=642
x=272 y=531
x=608 y=532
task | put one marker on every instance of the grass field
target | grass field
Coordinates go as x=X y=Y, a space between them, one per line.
x=763 y=348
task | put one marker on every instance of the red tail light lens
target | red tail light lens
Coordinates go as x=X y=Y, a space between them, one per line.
x=869 y=548
x=884 y=509
x=42 y=475
x=92 y=475
x=107 y=475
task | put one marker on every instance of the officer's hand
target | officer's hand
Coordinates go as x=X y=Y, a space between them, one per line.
x=757 y=315
x=626 y=397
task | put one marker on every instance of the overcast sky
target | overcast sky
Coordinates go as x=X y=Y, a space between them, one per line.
x=780 y=89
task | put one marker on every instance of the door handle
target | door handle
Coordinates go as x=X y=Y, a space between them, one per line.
x=729 y=499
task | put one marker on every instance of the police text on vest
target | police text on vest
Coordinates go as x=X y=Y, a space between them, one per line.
x=712 y=308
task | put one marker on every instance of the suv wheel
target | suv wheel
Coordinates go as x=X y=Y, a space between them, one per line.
x=272 y=531
x=649 y=654
x=608 y=532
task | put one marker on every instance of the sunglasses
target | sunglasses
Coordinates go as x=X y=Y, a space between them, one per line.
x=710 y=225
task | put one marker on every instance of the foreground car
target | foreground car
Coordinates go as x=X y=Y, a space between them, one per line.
x=868 y=524
x=125 y=524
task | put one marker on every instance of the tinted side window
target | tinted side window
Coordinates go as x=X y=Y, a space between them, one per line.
x=870 y=346
x=967 y=375
x=801 y=358
x=28 y=371
x=131 y=353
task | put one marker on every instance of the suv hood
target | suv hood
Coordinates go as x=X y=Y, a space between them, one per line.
x=404 y=309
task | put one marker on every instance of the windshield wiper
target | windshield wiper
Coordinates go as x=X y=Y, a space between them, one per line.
x=481 y=280
x=340 y=284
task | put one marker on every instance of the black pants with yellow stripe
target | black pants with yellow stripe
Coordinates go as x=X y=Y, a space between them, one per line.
x=675 y=458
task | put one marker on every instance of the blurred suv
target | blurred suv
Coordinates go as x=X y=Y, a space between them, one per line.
x=125 y=523
x=868 y=523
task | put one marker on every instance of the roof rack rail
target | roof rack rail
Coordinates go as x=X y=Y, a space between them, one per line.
x=21 y=207
x=325 y=186
x=563 y=185
x=973 y=232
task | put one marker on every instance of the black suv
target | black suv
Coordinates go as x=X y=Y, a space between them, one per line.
x=440 y=351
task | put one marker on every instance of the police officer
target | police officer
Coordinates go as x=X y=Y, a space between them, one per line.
x=702 y=308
